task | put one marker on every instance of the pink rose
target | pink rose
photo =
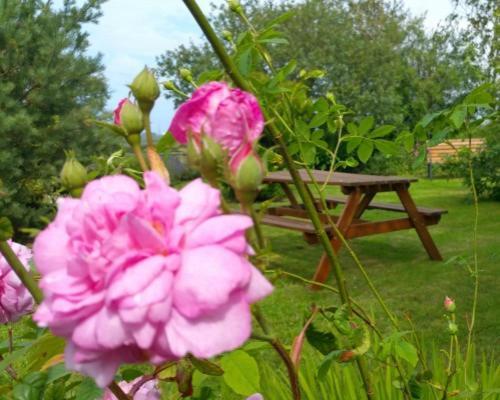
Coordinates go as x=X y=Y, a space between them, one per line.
x=133 y=275
x=148 y=391
x=117 y=111
x=15 y=299
x=230 y=116
x=449 y=304
x=256 y=396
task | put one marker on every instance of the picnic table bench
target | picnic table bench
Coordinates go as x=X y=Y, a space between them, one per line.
x=360 y=191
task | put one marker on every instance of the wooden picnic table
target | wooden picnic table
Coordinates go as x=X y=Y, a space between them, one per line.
x=360 y=191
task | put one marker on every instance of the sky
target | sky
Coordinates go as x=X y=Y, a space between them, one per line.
x=131 y=34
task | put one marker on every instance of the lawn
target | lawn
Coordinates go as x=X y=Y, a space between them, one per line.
x=410 y=283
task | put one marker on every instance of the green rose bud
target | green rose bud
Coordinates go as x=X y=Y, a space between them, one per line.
x=228 y=36
x=169 y=85
x=247 y=179
x=186 y=74
x=145 y=89
x=131 y=118
x=235 y=6
x=73 y=175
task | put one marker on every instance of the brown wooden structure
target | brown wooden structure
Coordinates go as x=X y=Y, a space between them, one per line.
x=438 y=154
x=360 y=191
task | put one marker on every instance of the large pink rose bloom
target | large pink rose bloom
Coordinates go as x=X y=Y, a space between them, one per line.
x=15 y=299
x=231 y=117
x=148 y=391
x=131 y=275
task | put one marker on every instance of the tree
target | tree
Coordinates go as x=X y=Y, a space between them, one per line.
x=50 y=90
x=379 y=60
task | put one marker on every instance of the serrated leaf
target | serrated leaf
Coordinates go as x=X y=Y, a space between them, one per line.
x=458 y=116
x=318 y=120
x=365 y=150
x=406 y=351
x=386 y=147
x=352 y=129
x=365 y=125
x=31 y=387
x=323 y=341
x=206 y=367
x=352 y=143
x=88 y=390
x=308 y=152
x=6 y=229
x=382 y=131
x=241 y=372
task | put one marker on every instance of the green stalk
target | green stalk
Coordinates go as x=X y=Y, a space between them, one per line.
x=257 y=228
x=138 y=154
x=24 y=275
x=147 y=127
x=234 y=74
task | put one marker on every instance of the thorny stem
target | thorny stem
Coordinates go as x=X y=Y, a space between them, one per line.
x=24 y=275
x=234 y=74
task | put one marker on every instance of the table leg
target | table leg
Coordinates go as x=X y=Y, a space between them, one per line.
x=343 y=225
x=365 y=202
x=419 y=224
x=290 y=195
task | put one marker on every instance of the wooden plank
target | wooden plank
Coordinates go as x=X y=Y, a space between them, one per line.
x=373 y=228
x=298 y=213
x=419 y=224
x=390 y=206
x=345 y=219
x=289 y=194
x=301 y=225
x=338 y=178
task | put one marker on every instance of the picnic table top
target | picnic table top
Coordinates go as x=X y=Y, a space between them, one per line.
x=338 y=178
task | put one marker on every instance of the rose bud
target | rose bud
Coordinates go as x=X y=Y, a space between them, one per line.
x=247 y=176
x=449 y=305
x=73 y=175
x=145 y=89
x=129 y=117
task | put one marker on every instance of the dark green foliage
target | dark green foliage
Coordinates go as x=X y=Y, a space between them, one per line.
x=50 y=90
x=377 y=58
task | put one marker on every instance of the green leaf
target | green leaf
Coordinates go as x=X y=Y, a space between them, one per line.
x=428 y=118
x=458 y=116
x=365 y=150
x=382 y=131
x=325 y=365
x=323 y=341
x=211 y=75
x=206 y=367
x=129 y=374
x=308 y=153
x=318 y=119
x=365 y=125
x=112 y=127
x=321 y=105
x=352 y=143
x=280 y=19
x=245 y=61
x=386 y=147
x=352 y=129
x=406 y=351
x=88 y=390
x=31 y=387
x=165 y=143
x=6 y=229
x=241 y=372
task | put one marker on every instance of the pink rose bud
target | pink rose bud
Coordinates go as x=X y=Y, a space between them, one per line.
x=231 y=117
x=15 y=299
x=145 y=275
x=129 y=117
x=148 y=391
x=145 y=90
x=449 y=305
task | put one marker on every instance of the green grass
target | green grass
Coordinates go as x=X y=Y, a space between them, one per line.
x=410 y=283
